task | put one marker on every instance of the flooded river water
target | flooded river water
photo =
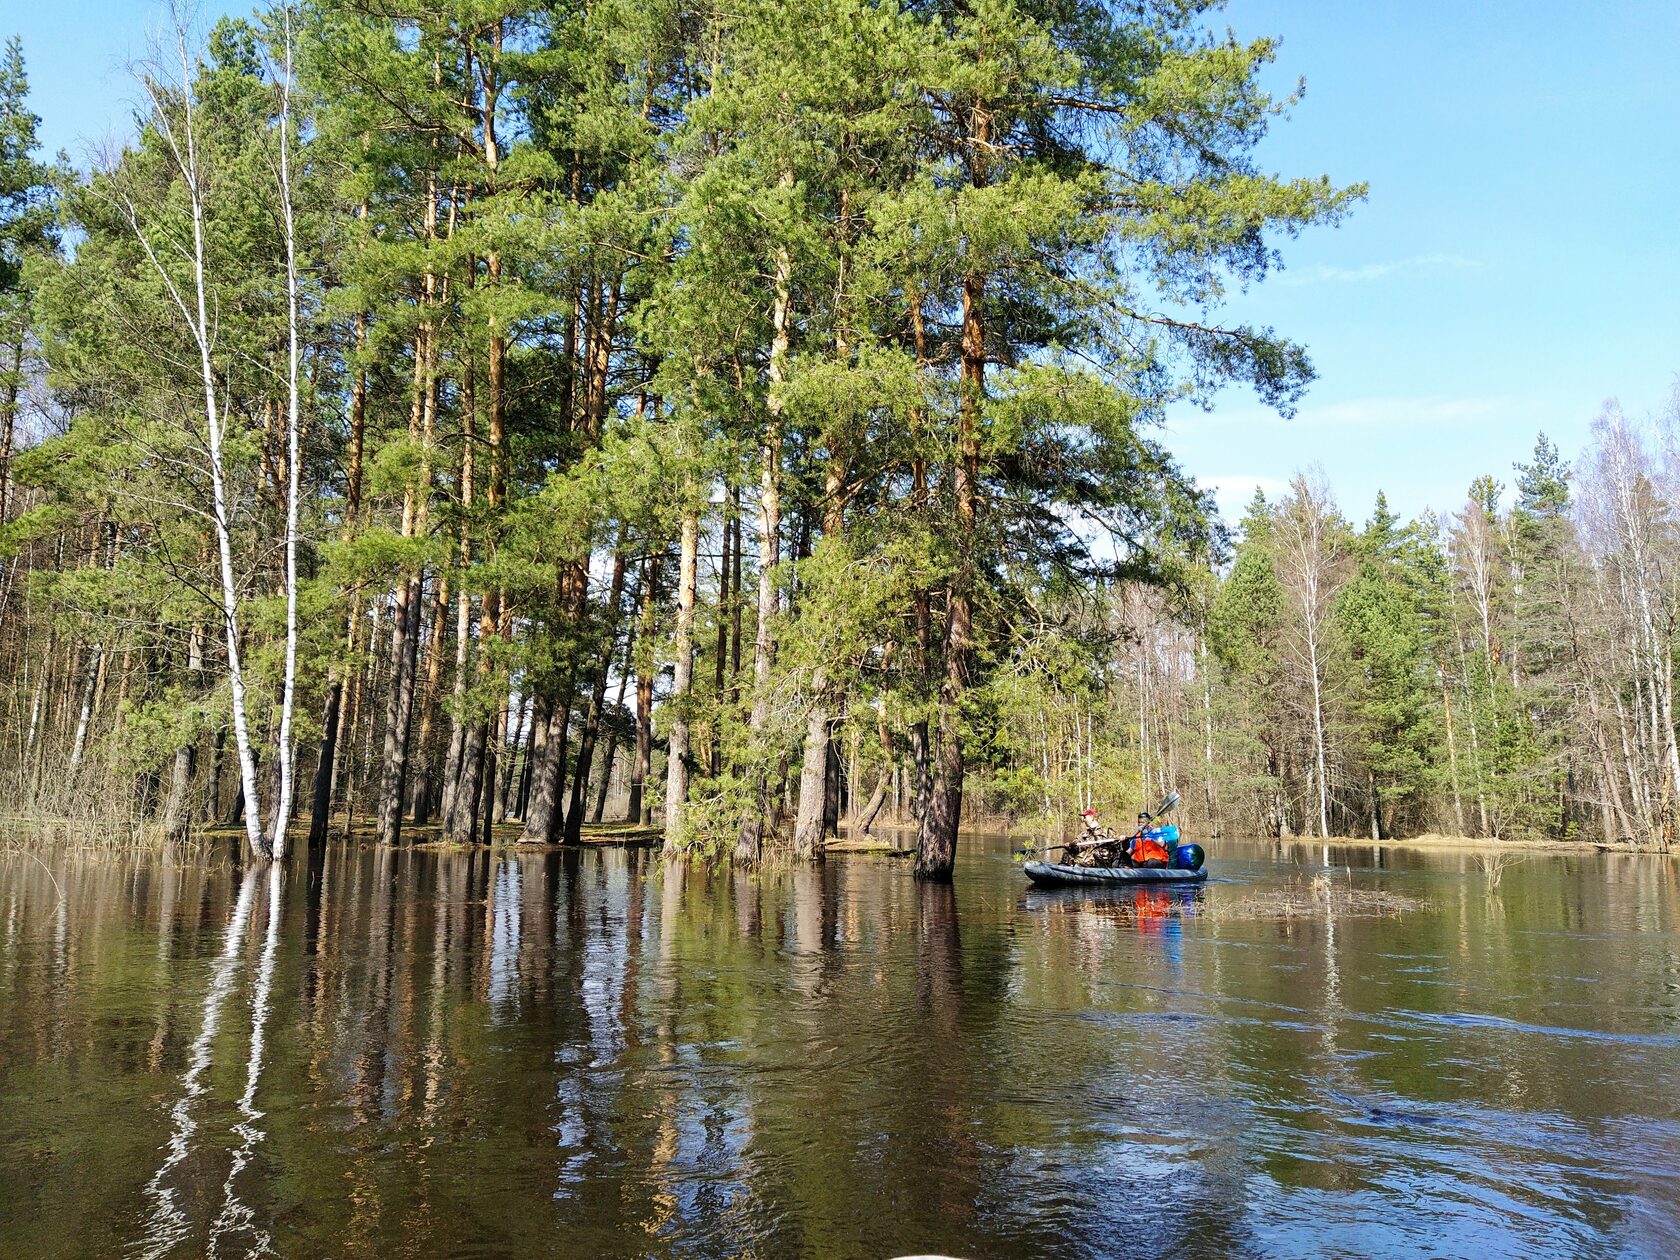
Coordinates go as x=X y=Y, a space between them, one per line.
x=592 y=1054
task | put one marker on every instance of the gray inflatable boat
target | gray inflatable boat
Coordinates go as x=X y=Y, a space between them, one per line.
x=1056 y=875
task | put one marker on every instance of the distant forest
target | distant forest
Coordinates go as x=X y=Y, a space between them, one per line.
x=744 y=422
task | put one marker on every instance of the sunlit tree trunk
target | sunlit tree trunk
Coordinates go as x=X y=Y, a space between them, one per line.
x=283 y=805
x=749 y=840
x=646 y=667
x=936 y=850
x=677 y=768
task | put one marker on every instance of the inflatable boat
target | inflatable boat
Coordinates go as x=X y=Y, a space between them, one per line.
x=1056 y=875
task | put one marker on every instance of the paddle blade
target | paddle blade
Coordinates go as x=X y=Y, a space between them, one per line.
x=1170 y=801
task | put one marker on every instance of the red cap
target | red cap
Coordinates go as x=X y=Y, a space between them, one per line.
x=1089 y=813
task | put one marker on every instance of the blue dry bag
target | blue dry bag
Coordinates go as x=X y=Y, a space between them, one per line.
x=1188 y=857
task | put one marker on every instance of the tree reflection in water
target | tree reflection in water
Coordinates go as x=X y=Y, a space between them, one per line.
x=597 y=1053
x=236 y=1217
x=504 y=940
x=167 y=1224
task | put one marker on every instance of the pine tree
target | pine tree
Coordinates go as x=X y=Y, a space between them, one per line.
x=27 y=231
x=1023 y=89
x=1382 y=632
x=1245 y=627
x=1545 y=582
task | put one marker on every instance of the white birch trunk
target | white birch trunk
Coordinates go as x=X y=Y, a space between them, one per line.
x=1318 y=731
x=283 y=806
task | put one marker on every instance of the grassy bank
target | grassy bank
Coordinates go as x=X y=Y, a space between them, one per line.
x=1480 y=844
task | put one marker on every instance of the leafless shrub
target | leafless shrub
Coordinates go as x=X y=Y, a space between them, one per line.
x=1492 y=864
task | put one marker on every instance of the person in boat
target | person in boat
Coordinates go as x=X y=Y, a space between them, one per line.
x=1097 y=845
x=1143 y=848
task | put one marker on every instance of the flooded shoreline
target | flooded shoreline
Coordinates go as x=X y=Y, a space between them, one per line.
x=515 y=1053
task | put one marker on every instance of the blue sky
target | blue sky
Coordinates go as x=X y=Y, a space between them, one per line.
x=1515 y=265
x=1516 y=262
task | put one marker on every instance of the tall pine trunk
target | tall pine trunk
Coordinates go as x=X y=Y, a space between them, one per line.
x=458 y=720
x=406 y=607
x=646 y=668
x=612 y=739
x=749 y=841
x=421 y=807
x=326 y=763
x=936 y=848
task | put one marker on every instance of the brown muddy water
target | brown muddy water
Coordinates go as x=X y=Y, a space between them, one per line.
x=589 y=1054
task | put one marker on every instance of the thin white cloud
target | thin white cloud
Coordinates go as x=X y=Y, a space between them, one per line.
x=1368 y=272
x=1232 y=491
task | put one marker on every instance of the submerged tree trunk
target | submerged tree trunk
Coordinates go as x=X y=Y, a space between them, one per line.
x=749 y=840
x=421 y=804
x=399 y=706
x=521 y=731
x=597 y=697
x=720 y=658
x=543 y=802
x=176 y=820
x=463 y=825
x=541 y=813
x=921 y=749
x=612 y=742
x=542 y=708
x=321 y=790
x=1318 y=733
x=677 y=767
x=813 y=783
x=326 y=763
x=407 y=609
x=883 y=781
x=294 y=423
x=636 y=809
x=459 y=721
x=834 y=785
x=176 y=824
x=213 y=788
x=936 y=848
x=463 y=828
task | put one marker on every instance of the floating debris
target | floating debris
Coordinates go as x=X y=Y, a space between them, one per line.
x=1310 y=899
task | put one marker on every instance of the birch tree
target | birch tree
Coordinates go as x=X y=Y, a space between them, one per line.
x=283 y=802
x=1308 y=537
x=174 y=119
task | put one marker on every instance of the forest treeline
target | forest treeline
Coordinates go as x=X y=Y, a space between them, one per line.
x=739 y=420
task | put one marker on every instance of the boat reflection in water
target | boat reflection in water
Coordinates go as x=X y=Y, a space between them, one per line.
x=1153 y=911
